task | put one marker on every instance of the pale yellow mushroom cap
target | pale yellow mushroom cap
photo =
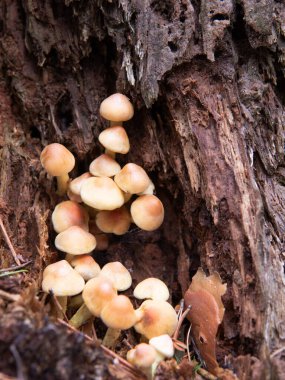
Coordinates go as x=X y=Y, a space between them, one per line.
x=156 y=318
x=101 y=193
x=132 y=179
x=147 y=212
x=118 y=274
x=152 y=288
x=75 y=185
x=117 y=107
x=116 y=221
x=119 y=313
x=101 y=238
x=115 y=139
x=97 y=293
x=67 y=214
x=163 y=345
x=57 y=160
x=76 y=241
x=62 y=279
x=142 y=356
x=104 y=166
x=85 y=265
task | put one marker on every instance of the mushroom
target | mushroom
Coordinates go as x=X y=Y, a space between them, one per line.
x=104 y=166
x=101 y=193
x=76 y=241
x=85 y=265
x=149 y=190
x=74 y=187
x=117 y=221
x=132 y=179
x=62 y=280
x=101 y=238
x=143 y=356
x=155 y=318
x=118 y=274
x=115 y=139
x=116 y=108
x=147 y=212
x=163 y=344
x=118 y=314
x=58 y=162
x=96 y=294
x=67 y=214
x=152 y=288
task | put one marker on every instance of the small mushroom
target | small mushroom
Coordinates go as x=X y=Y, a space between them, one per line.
x=101 y=193
x=104 y=166
x=143 y=356
x=147 y=212
x=85 y=265
x=116 y=108
x=149 y=190
x=118 y=314
x=117 y=221
x=74 y=187
x=58 y=162
x=101 y=238
x=67 y=214
x=132 y=179
x=115 y=139
x=118 y=274
x=163 y=345
x=152 y=288
x=156 y=318
x=76 y=241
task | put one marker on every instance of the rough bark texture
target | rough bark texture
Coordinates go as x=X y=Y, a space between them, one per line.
x=207 y=81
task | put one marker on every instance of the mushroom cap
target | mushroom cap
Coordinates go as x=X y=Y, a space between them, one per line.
x=163 y=345
x=62 y=279
x=156 y=318
x=118 y=274
x=67 y=214
x=101 y=238
x=116 y=107
x=76 y=241
x=115 y=139
x=75 y=185
x=57 y=160
x=104 y=166
x=149 y=190
x=119 y=313
x=142 y=356
x=73 y=197
x=152 y=288
x=97 y=293
x=117 y=221
x=147 y=212
x=101 y=193
x=85 y=265
x=132 y=179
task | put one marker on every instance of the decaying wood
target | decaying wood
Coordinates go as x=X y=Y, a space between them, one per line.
x=207 y=81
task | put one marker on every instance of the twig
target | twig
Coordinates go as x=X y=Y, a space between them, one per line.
x=188 y=343
x=277 y=352
x=16 y=267
x=58 y=305
x=180 y=321
x=207 y=375
x=11 y=297
x=19 y=363
x=8 y=241
x=11 y=273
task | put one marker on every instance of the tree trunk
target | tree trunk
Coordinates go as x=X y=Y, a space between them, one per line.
x=207 y=81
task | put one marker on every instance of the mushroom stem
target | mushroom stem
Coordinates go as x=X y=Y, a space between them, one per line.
x=59 y=306
x=116 y=123
x=62 y=184
x=111 y=337
x=80 y=317
x=110 y=153
x=76 y=301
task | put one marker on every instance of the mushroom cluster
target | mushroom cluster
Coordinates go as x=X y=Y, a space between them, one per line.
x=99 y=204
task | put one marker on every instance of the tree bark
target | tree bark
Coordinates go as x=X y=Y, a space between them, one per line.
x=207 y=81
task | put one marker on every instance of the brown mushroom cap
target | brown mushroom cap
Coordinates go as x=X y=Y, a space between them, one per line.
x=147 y=212
x=156 y=318
x=116 y=221
x=62 y=279
x=67 y=214
x=104 y=166
x=76 y=241
x=101 y=193
x=97 y=293
x=142 y=356
x=119 y=313
x=85 y=265
x=57 y=160
x=115 y=139
x=132 y=179
x=152 y=288
x=116 y=107
x=76 y=183
x=118 y=274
